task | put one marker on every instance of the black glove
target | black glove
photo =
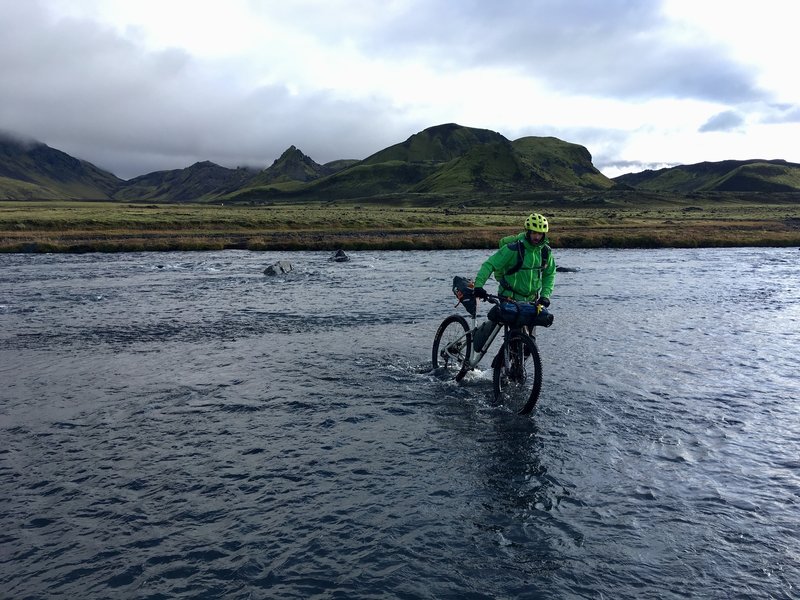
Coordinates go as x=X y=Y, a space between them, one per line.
x=543 y=301
x=480 y=293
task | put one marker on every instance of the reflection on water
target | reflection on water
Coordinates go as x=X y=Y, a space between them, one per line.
x=181 y=425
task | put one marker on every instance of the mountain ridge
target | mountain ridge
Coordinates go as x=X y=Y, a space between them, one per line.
x=47 y=173
x=200 y=180
x=447 y=159
x=751 y=175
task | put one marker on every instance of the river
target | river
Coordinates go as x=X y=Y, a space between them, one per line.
x=181 y=425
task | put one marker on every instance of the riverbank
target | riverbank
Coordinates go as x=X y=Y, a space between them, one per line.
x=113 y=227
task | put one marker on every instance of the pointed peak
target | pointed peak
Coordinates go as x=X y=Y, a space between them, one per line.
x=291 y=150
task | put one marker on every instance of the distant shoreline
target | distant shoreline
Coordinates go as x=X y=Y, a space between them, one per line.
x=348 y=241
x=81 y=227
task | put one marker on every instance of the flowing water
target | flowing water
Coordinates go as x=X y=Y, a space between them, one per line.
x=181 y=425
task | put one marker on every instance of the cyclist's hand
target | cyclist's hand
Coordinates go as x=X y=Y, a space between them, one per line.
x=481 y=293
x=543 y=301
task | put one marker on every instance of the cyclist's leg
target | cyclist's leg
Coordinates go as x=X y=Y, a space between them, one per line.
x=517 y=376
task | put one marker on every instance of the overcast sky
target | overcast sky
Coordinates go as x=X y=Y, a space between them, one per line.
x=146 y=85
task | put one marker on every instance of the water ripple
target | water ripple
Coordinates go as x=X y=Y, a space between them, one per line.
x=183 y=426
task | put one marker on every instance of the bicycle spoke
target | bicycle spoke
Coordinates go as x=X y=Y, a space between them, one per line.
x=517 y=375
x=451 y=346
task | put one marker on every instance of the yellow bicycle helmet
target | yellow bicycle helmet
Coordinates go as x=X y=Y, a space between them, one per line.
x=537 y=223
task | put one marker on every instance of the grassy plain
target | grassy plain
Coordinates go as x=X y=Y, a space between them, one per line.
x=619 y=221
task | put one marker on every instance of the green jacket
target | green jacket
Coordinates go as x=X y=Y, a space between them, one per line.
x=531 y=281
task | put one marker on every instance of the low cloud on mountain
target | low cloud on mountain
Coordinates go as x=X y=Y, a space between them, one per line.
x=132 y=87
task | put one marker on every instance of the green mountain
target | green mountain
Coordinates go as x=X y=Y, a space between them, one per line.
x=444 y=160
x=530 y=163
x=206 y=181
x=560 y=163
x=438 y=144
x=33 y=171
x=199 y=182
x=293 y=167
x=725 y=176
x=451 y=159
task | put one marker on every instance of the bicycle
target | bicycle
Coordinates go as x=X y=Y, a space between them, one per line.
x=517 y=367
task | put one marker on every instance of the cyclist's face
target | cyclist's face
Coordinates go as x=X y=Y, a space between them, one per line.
x=534 y=237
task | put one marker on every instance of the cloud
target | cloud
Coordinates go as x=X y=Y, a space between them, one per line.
x=19 y=139
x=85 y=89
x=134 y=91
x=784 y=113
x=616 y=168
x=725 y=121
x=615 y=48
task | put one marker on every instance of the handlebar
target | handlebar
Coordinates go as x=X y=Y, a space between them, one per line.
x=463 y=290
x=495 y=299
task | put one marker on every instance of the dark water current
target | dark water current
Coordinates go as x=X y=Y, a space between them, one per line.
x=183 y=426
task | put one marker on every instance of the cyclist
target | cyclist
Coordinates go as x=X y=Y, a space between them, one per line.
x=523 y=266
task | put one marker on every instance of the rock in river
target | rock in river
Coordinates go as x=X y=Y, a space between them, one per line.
x=280 y=267
x=339 y=256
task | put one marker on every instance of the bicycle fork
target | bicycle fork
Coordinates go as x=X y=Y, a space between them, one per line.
x=514 y=359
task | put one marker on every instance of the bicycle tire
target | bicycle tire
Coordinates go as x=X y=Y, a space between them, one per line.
x=455 y=362
x=518 y=384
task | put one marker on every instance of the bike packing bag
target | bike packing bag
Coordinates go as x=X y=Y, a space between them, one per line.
x=481 y=335
x=465 y=294
x=521 y=315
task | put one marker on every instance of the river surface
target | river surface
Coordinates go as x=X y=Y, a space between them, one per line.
x=180 y=425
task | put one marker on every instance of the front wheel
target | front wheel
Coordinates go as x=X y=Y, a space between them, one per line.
x=451 y=346
x=517 y=375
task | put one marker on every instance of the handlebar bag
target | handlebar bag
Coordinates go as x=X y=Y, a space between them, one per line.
x=520 y=315
x=462 y=288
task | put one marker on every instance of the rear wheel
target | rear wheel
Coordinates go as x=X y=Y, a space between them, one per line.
x=451 y=346
x=517 y=375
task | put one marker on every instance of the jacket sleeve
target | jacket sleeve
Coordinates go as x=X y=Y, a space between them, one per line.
x=549 y=276
x=499 y=261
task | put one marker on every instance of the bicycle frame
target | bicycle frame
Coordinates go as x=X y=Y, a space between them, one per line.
x=474 y=357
